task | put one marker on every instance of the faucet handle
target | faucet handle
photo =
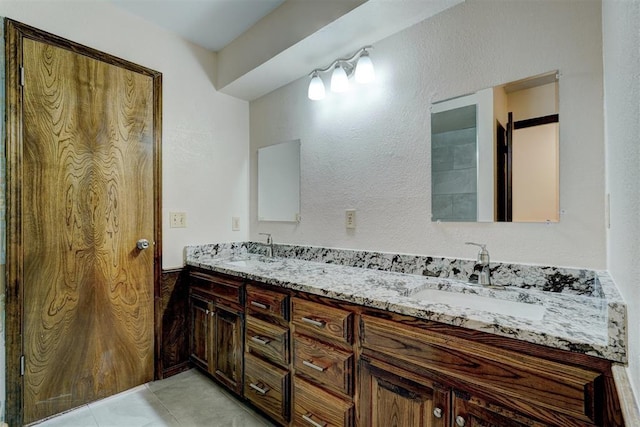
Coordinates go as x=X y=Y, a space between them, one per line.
x=483 y=255
x=269 y=239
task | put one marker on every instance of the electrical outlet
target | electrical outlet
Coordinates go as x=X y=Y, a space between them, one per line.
x=235 y=223
x=177 y=219
x=350 y=218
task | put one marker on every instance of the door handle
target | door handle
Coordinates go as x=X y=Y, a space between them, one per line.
x=142 y=244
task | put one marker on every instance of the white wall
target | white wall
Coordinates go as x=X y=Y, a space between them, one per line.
x=621 y=47
x=205 y=133
x=369 y=149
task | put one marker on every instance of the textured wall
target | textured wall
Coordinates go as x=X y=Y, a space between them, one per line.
x=205 y=133
x=369 y=149
x=621 y=47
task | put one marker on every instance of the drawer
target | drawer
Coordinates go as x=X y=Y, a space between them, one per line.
x=325 y=320
x=267 y=387
x=564 y=388
x=324 y=364
x=314 y=407
x=268 y=302
x=267 y=340
x=220 y=286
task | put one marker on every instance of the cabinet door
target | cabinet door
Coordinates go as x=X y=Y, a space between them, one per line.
x=200 y=331
x=390 y=396
x=470 y=412
x=227 y=348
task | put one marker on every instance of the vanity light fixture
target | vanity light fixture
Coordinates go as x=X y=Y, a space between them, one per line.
x=360 y=62
x=339 y=79
x=316 y=87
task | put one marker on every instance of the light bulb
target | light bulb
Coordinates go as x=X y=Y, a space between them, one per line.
x=339 y=80
x=364 y=69
x=316 y=88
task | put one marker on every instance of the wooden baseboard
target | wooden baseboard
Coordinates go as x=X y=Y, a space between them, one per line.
x=176 y=369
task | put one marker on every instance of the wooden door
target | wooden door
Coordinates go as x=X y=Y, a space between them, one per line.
x=392 y=397
x=227 y=347
x=88 y=193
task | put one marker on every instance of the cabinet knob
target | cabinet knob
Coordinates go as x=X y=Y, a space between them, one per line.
x=437 y=412
x=460 y=421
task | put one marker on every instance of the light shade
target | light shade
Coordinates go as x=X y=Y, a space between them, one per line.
x=364 y=69
x=339 y=80
x=316 y=88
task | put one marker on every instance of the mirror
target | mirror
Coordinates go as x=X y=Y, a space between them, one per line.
x=279 y=182
x=495 y=154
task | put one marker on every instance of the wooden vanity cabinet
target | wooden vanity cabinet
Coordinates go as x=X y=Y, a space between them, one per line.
x=313 y=361
x=267 y=383
x=217 y=320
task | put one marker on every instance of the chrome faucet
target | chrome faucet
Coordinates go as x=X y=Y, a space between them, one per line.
x=269 y=244
x=484 y=278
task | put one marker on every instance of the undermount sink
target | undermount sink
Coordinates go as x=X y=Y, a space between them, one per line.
x=476 y=302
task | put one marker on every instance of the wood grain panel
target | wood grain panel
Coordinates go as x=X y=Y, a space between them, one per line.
x=88 y=195
x=228 y=347
x=562 y=388
x=390 y=396
x=322 y=319
x=267 y=387
x=267 y=340
x=312 y=404
x=174 y=310
x=266 y=302
x=225 y=287
x=200 y=327
x=323 y=363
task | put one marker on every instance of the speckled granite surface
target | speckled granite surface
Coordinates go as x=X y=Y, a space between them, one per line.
x=582 y=309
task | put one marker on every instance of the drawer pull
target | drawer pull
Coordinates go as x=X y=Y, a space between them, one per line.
x=259 y=389
x=259 y=305
x=460 y=421
x=437 y=412
x=313 y=365
x=307 y=418
x=317 y=323
x=258 y=339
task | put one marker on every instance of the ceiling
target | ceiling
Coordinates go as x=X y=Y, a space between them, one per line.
x=212 y=24
x=262 y=45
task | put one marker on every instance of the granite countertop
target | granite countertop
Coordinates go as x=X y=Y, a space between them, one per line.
x=593 y=325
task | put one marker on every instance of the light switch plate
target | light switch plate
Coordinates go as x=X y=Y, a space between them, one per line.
x=177 y=219
x=235 y=223
x=350 y=219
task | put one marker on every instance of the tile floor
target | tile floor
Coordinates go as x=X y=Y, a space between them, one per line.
x=189 y=399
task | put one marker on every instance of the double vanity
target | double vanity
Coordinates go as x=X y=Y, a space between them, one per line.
x=324 y=337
